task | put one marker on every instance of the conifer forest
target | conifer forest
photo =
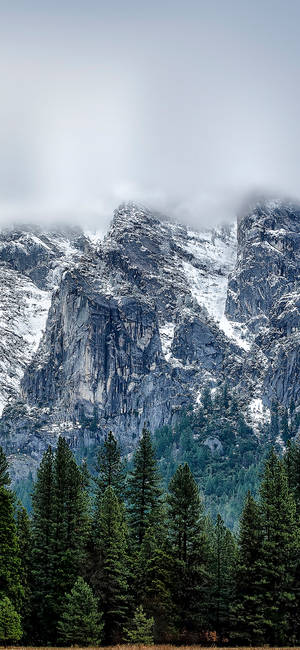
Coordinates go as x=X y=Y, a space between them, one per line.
x=118 y=558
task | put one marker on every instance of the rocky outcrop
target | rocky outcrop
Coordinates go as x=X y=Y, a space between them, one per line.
x=263 y=291
x=268 y=263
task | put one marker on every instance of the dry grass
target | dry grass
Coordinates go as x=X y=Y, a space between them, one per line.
x=144 y=647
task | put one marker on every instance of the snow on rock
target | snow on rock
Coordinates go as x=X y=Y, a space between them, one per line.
x=236 y=331
x=258 y=413
x=166 y=332
x=212 y=255
x=31 y=265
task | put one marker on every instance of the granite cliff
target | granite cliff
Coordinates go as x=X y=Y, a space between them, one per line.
x=106 y=334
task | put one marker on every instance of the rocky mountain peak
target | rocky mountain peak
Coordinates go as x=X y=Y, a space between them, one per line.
x=131 y=329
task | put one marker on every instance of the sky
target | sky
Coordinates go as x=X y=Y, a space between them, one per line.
x=185 y=106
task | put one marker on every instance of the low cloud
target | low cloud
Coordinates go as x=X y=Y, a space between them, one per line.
x=186 y=107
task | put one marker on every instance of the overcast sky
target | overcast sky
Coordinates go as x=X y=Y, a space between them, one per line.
x=183 y=105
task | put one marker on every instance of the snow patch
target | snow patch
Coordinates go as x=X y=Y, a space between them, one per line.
x=166 y=333
x=237 y=332
x=258 y=412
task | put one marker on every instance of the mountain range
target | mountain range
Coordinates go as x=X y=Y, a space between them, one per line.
x=107 y=333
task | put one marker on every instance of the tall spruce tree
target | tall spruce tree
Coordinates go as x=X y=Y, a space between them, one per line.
x=248 y=620
x=153 y=582
x=25 y=549
x=60 y=532
x=222 y=570
x=110 y=565
x=292 y=466
x=280 y=552
x=189 y=548
x=43 y=547
x=10 y=564
x=144 y=493
x=110 y=467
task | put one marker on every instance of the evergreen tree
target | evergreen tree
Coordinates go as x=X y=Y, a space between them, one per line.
x=280 y=552
x=43 y=547
x=292 y=466
x=141 y=631
x=190 y=555
x=10 y=622
x=80 y=622
x=152 y=586
x=25 y=549
x=60 y=532
x=248 y=622
x=10 y=565
x=144 y=489
x=71 y=523
x=222 y=571
x=110 y=565
x=111 y=469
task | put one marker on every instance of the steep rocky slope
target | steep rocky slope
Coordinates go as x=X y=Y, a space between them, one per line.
x=140 y=321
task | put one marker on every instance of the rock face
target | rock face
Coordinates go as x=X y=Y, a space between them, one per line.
x=264 y=290
x=137 y=323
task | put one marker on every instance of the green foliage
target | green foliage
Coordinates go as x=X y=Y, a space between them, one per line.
x=189 y=549
x=248 y=623
x=110 y=467
x=141 y=631
x=60 y=532
x=25 y=550
x=153 y=582
x=109 y=567
x=10 y=622
x=280 y=551
x=80 y=622
x=222 y=450
x=10 y=565
x=143 y=489
x=223 y=564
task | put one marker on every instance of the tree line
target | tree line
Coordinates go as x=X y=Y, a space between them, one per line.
x=128 y=562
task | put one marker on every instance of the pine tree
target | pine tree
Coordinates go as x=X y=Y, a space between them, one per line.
x=111 y=469
x=10 y=565
x=141 y=631
x=280 y=552
x=80 y=621
x=25 y=549
x=222 y=570
x=10 y=622
x=60 y=532
x=71 y=523
x=248 y=622
x=43 y=548
x=110 y=565
x=189 y=547
x=152 y=585
x=292 y=466
x=144 y=489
